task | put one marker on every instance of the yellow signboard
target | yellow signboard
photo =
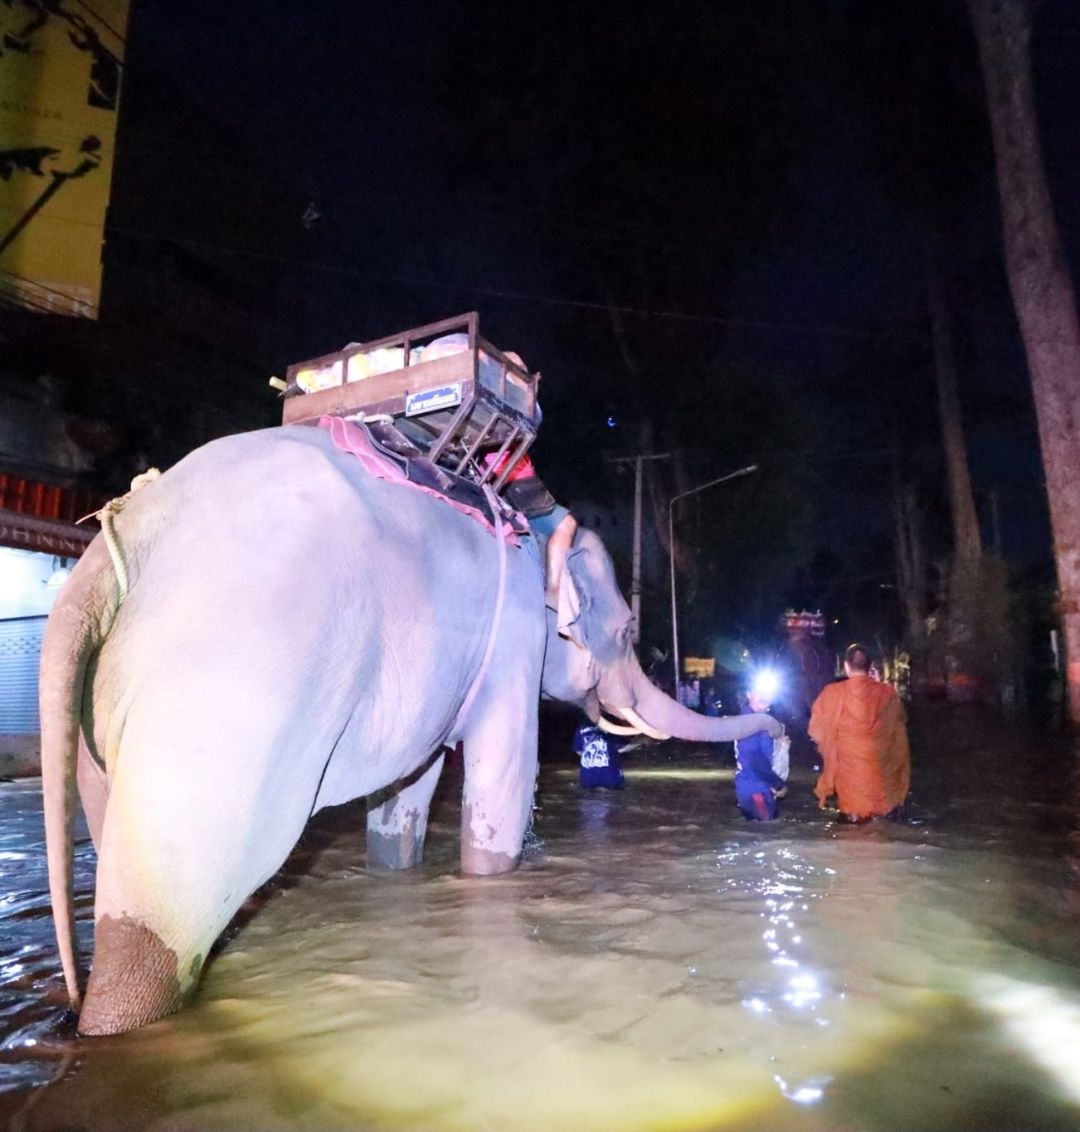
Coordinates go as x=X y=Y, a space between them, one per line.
x=700 y=667
x=60 y=68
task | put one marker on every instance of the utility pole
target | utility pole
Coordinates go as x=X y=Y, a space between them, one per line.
x=635 y=577
x=671 y=556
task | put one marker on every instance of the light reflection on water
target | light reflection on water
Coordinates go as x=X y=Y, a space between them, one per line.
x=657 y=963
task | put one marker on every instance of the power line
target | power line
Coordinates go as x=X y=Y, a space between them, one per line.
x=699 y=318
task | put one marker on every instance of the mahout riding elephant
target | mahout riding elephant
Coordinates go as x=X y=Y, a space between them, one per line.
x=275 y=630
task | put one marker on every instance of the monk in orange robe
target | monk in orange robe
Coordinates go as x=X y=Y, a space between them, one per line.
x=860 y=729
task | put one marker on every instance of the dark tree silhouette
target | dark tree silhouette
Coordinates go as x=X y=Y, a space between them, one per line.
x=1042 y=291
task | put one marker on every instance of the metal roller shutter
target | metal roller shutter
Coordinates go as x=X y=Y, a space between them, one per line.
x=20 y=655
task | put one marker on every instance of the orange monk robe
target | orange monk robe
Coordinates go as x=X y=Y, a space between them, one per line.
x=860 y=728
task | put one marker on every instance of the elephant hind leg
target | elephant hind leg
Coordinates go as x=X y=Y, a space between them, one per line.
x=135 y=978
x=396 y=827
x=184 y=842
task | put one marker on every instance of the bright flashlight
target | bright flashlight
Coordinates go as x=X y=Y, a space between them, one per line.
x=765 y=685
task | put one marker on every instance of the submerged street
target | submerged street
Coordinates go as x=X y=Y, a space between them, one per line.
x=367 y=368
x=656 y=963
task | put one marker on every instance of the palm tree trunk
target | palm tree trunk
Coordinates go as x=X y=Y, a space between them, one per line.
x=1042 y=291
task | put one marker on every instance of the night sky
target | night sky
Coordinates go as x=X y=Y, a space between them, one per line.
x=722 y=193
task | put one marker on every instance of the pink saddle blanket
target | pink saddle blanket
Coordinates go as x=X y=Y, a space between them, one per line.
x=353 y=438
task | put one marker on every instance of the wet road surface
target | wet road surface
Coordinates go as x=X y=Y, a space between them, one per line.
x=656 y=963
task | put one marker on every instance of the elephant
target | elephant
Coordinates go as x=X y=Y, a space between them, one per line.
x=268 y=629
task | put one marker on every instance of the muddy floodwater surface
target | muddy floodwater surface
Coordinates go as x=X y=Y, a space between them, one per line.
x=656 y=963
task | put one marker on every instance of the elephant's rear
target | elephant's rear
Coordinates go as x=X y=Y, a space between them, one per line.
x=134 y=982
x=218 y=697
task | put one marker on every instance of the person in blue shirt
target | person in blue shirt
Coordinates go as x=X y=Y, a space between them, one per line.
x=599 y=754
x=757 y=785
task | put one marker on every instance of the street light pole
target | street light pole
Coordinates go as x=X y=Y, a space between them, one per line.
x=671 y=555
x=635 y=579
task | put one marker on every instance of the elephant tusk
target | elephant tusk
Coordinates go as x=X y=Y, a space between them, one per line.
x=616 y=728
x=642 y=726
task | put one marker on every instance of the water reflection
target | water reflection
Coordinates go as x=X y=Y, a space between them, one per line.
x=595 y=810
x=657 y=963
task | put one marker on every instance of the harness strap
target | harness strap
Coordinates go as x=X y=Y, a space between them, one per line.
x=496 y=621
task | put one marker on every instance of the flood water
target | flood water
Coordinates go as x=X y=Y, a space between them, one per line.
x=656 y=963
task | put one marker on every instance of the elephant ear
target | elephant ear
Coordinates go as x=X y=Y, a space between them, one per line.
x=570 y=601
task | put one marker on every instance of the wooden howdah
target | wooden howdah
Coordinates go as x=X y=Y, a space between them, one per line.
x=454 y=410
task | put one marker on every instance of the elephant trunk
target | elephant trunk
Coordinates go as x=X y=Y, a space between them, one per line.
x=664 y=714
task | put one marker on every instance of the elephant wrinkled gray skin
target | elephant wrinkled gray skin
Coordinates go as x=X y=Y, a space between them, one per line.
x=298 y=633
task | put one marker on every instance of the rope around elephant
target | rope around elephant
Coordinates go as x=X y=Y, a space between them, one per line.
x=106 y=517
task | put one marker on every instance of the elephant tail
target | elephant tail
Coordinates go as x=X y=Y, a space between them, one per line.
x=79 y=622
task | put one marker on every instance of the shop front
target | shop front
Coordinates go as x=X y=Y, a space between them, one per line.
x=39 y=543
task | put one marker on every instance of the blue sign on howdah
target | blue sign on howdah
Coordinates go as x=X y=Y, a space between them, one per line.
x=444 y=397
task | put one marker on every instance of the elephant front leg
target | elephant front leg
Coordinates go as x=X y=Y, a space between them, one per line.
x=396 y=828
x=500 y=779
